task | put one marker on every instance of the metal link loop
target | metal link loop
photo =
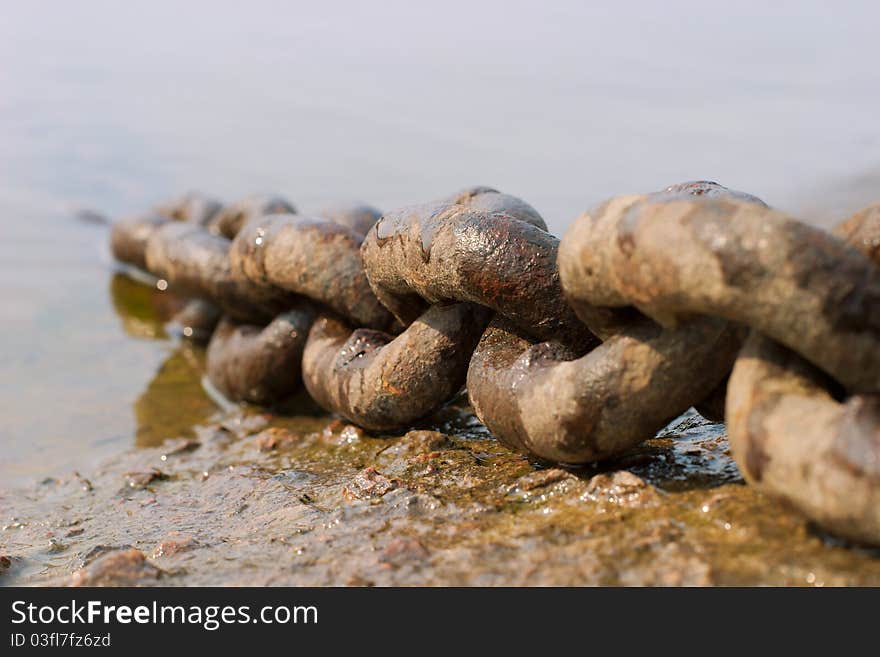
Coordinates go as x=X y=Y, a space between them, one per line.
x=798 y=437
x=423 y=255
x=385 y=382
x=315 y=258
x=572 y=351
x=257 y=364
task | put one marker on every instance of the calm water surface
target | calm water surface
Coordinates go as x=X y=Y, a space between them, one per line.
x=114 y=106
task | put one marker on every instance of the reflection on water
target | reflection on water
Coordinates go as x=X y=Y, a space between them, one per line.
x=173 y=401
x=143 y=309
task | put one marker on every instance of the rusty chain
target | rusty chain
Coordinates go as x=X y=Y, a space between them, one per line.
x=571 y=351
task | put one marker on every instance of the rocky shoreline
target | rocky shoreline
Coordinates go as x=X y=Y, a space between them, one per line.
x=305 y=499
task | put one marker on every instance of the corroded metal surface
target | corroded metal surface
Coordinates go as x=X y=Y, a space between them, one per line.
x=794 y=434
x=360 y=217
x=195 y=262
x=316 y=258
x=382 y=382
x=542 y=399
x=423 y=255
x=231 y=219
x=260 y=364
x=596 y=343
x=576 y=408
x=192 y=207
x=128 y=238
x=488 y=199
x=196 y=320
x=673 y=259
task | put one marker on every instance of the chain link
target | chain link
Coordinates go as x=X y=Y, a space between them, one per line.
x=572 y=351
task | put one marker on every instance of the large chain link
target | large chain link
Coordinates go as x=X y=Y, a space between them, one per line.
x=572 y=351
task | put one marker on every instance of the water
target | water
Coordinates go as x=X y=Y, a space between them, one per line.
x=113 y=107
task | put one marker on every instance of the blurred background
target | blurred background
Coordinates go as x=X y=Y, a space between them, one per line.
x=109 y=107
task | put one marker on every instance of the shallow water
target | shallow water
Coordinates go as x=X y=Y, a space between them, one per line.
x=113 y=107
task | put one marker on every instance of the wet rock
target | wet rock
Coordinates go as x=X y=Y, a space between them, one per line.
x=214 y=434
x=276 y=438
x=413 y=505
x=660 y=532
x=368 y=484
x=540 y=479
x=296 y=480
x=283 y=518
x=351 y=434
x=56 y=546
x=120 y=568
x=674 y=564
x=173 y=543
x=180 y=446
x=403 y=552
x=97 y=551
x=244 y=425
x=620 y=487
x=418 y=442
x=338 y=433
x=143 y=478
x=14 y=523
x=333 y=426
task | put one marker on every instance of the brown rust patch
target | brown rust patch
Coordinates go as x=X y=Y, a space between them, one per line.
x=118 y=568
